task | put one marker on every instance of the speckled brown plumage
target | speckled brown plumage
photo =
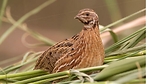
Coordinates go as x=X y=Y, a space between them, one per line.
x=84 y=49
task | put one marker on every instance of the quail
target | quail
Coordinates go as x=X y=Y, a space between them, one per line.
x=82 y=50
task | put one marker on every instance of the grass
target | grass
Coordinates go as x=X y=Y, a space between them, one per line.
x=125 y=61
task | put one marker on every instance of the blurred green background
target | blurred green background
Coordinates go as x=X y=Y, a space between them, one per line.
x=56 y=20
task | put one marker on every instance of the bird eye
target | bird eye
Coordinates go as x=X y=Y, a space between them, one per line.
x=87 y=14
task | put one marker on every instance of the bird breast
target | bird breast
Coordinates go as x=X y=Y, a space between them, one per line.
x=90 y=48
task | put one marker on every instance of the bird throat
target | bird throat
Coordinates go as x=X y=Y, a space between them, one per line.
x=91 y=33
x=91 y=25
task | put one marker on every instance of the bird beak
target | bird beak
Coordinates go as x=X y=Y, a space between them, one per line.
x=80 y=18
x=76 y=17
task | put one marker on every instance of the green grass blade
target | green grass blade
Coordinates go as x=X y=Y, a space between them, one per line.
x=131 y=43
x=2 y=10
x=21 y=74
x=114 y=36
x=120 y=66
x=123 y=19
x=130 y=77
x=32 y=33
x=137 y=81
x=113 y=9
x=64 y=73
x=40 y=37
x=140 y=47
x=118 y=76
x=126 y=39
x=14 y=67
x=23 y=18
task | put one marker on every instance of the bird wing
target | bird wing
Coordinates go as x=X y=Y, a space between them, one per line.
x=48 y=59
x=72 y=57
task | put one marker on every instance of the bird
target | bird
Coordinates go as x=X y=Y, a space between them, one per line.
x=84 y=49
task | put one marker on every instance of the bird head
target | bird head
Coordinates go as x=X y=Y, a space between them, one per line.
x=88 y=17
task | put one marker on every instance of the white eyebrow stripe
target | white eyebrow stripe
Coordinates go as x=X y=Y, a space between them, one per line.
x=89 y=12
